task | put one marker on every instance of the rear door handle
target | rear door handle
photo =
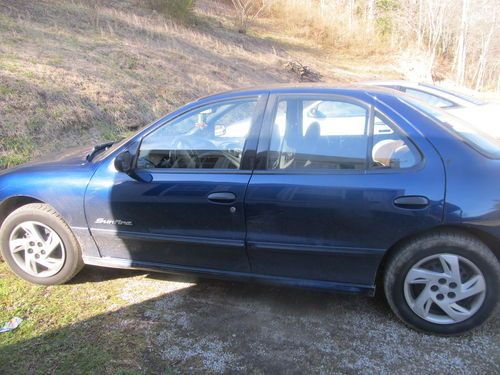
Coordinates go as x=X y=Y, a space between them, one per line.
x=411 y=202
x=222 y=197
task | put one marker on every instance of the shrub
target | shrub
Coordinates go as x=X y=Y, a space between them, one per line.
x=178 y=9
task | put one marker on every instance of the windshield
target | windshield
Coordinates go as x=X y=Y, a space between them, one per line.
x=472 y=135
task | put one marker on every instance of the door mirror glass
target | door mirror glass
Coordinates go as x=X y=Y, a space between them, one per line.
x=314 y=112
x=123 y=162
x=219 y=130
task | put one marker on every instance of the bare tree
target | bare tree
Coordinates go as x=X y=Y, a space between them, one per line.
x=249 y=10
x=483 y=57
x=462 y=44
x=460 y=37
x=370 y=14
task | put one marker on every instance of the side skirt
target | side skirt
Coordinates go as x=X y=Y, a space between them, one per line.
x=239 y=276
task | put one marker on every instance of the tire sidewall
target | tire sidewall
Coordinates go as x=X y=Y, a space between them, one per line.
x=71 y=256
x=489 y=304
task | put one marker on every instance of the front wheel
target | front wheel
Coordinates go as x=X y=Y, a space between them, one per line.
x=39 y=246
x=444 y=283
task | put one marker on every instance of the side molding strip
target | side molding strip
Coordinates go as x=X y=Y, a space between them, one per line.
x=286 y=281
x=167 y=237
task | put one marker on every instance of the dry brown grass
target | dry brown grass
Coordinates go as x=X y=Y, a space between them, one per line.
x=326 y=24
x=79 y=72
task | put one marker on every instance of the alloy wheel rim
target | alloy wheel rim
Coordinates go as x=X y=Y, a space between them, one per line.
x=444 y=288
x=37 y=249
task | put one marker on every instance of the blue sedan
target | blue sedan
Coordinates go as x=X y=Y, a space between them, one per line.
x=335 y=188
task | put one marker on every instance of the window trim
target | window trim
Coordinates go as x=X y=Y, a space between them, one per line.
x=249 y=145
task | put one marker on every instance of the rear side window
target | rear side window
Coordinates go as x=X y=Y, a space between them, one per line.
x=318 y=134
x=322 y=134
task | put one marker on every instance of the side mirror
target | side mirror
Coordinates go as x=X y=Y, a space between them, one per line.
x=123 y=162
x=314 y=112
x=219 y=130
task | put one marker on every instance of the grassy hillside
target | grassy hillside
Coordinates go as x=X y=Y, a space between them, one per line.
x=80 y=72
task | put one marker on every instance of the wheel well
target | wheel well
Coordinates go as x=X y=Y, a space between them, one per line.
x=12 y=204
x=489 y=240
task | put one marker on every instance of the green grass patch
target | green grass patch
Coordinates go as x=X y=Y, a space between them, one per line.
x=16 y=150
x=69 y=329
x=5 y=90
x=178 y=9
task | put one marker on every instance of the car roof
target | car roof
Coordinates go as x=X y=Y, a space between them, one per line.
x=305 y=88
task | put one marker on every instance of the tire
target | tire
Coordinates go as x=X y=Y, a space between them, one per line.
x=475 y=260
x=64 y=260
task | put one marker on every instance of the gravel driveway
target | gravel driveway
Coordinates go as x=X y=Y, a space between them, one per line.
x=226 y=327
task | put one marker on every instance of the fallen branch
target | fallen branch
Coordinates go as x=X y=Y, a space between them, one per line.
x=303 y=72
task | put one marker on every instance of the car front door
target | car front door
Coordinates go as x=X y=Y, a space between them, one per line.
x=191 y=214
x=337 y=183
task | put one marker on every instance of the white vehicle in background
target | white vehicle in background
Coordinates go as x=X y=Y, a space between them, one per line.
x=477 y=112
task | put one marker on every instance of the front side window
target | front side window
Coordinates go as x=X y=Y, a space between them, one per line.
x=210 y=137
x=318 y=134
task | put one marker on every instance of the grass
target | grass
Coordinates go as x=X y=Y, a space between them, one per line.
x=70 y=329
x=19 y=150
x=178 y=9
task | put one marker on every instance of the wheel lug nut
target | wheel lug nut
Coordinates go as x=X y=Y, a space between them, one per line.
x=37 y=256
x=451 y=295
x=442 y=281
x=40 y=244
x=440 y=296
x=43 y=251
x=30 y=251
x=453 y=285
x=434 y=288
x=32 y=244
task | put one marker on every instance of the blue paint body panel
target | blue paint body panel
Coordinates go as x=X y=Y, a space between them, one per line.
x=327 y=229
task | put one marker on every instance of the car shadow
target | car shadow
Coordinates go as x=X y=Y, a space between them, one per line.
x=100 y=274
x=214 y=326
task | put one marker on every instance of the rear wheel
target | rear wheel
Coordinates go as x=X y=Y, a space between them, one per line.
x=445 y=283
x=39 y=246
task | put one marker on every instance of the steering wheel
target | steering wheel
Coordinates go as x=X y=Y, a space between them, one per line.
x=148 y=163
x=184 y=155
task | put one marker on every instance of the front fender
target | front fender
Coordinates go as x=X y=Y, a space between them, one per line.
x=62 y=187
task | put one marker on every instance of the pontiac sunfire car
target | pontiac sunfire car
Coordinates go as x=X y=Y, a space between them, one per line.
x=309 y=186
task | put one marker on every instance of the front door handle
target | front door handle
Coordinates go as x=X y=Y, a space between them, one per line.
x=411 y=201
x=222 y=197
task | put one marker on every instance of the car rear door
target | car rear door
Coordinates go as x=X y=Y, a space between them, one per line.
x=337 y=183
x=191 y=214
